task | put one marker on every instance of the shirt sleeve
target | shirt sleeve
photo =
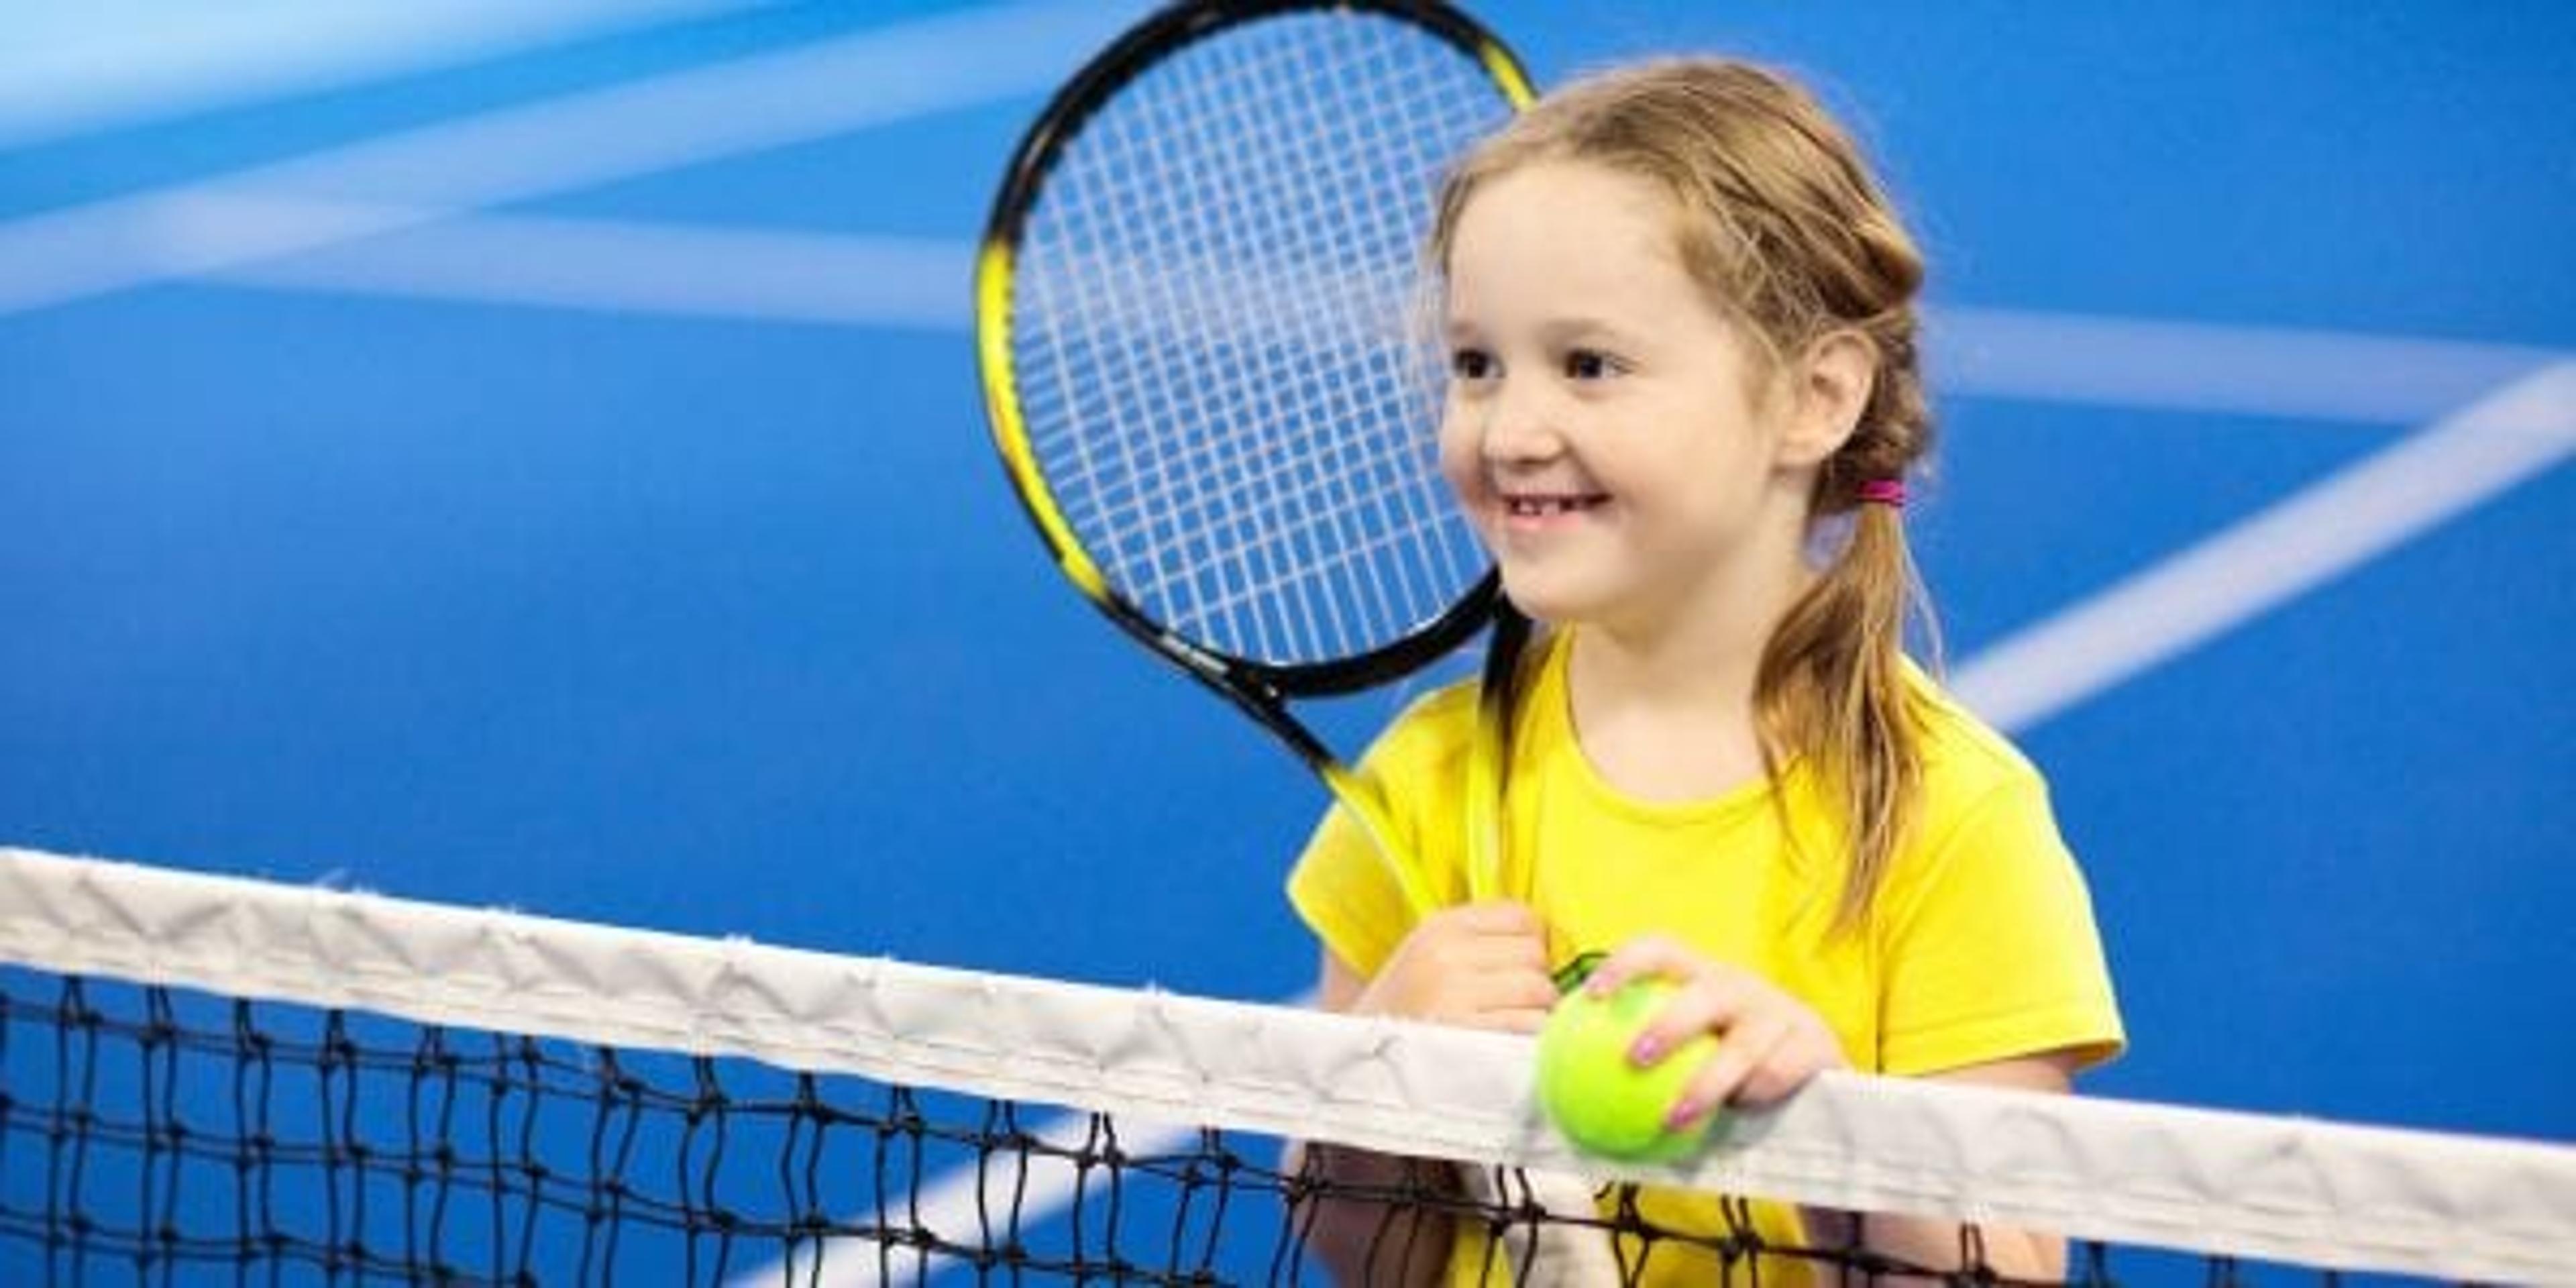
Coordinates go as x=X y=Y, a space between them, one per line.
x=1345 y=896
x=1342 y=886
x=1990 y=947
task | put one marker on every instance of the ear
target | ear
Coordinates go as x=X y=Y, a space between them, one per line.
x=1830 y=384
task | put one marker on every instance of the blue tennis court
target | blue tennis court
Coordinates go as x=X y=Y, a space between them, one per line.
x=532 y=456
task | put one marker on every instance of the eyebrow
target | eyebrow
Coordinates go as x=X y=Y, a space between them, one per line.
x=1584 y=328
x=1562 y=330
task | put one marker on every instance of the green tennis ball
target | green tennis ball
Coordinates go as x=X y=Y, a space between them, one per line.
x=1600 y=1099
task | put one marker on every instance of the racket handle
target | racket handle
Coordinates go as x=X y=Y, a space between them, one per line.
x=1489 y=747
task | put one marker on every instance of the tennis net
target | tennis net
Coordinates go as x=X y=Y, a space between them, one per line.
x=210 y=1079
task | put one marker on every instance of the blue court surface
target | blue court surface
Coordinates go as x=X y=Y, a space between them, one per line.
x=531 y=455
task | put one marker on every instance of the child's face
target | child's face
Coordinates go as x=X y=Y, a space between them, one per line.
x=1604 y=429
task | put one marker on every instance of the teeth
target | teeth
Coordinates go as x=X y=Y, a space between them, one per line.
x=1539 y=505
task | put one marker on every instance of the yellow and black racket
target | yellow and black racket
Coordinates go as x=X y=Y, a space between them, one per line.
x=1199 y=313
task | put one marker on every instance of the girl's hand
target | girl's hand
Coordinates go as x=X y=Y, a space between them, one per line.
x=1769 y=1043
x=1478 y=965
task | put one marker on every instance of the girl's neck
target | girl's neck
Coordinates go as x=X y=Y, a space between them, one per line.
x=1700 y=671
x=1664 y=711
x=1705 y=644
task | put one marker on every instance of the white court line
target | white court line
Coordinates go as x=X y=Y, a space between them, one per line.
x=627 y=268
x=872 y=281
x=955 y=1206
x=560 y=145
x=2328 y=528
x=69 y=67
x=2209 y=367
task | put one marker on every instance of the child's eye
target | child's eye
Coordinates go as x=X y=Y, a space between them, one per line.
x=1590 y=364
x=1471 y=364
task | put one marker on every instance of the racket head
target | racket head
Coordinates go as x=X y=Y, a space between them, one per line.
x=1200 y=319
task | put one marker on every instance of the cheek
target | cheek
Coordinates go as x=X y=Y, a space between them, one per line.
x=1460 y=462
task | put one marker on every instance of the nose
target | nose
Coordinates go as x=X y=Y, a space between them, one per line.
x=1518 y=427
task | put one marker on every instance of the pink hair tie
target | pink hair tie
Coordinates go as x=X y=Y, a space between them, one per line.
x=1883 y=492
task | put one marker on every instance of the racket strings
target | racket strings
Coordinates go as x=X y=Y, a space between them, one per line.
x=1282 y=544
x=1379 y=476
x=1214 y=332
x=1375 y=481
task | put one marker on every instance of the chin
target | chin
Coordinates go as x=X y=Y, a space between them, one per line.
x=1556 y=599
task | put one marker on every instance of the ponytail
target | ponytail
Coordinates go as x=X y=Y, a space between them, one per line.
x=1832 y=686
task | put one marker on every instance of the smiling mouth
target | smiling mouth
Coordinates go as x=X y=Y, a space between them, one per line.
x=1538 y=507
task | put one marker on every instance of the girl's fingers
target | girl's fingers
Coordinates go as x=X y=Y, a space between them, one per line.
x=1527 y=989
x=1494 y=917
x=1639 y=958
x=1741 y=1056
x=1769 y=1043
x=1522 y=1019
x=1488 y=936
x=1713 y=1003
x=1798 y=1056
x=1477 y=965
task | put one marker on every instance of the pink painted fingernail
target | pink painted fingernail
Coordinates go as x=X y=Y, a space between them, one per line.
x=1646 y=1050
x=1685 y=1111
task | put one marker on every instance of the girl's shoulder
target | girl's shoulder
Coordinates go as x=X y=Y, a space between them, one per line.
x=1963 y=756
x=1431 y=730
x=1438 y=727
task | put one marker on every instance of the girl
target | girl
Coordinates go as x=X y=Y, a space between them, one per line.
x=1683 y=398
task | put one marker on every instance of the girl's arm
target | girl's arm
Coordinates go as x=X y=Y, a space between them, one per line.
x=1360 y=1241
x=1476 y=966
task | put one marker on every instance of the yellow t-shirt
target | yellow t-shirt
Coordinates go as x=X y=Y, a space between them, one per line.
x=1979 y=946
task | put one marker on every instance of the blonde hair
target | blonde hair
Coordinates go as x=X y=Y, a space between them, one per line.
x=1784 y=226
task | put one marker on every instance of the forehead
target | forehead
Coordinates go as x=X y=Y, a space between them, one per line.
x=1569 y=233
